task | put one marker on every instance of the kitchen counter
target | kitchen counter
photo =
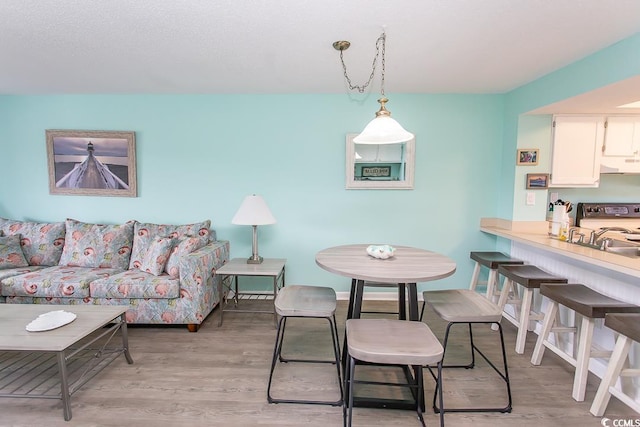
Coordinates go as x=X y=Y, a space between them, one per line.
x=535 y=234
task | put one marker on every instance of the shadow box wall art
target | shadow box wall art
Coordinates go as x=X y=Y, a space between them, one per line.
x=92 y=163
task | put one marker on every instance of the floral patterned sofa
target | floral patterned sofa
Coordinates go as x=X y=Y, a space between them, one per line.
x=164 y=273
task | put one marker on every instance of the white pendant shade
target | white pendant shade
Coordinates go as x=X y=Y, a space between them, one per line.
x=383 y=130
x=253 y=211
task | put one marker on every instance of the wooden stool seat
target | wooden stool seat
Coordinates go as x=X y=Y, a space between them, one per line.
x=591 y=305
x=529 y=277
x=493 y=260
x=305 y=302
x=628 y=326
x=391 y=342
x=586 y=301
x=490 y=260
x=464 y=306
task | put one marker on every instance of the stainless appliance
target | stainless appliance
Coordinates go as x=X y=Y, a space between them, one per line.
x=595 y=216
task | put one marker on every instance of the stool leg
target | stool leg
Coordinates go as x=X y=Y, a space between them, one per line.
x=618 y=358
x=440 y=397
x=582 y=363
x=525 y=312
x=491 y=284
x=336 y=352
x=352 y=368
x=474 y=277
x=547 y=324
x=504 y=294
x=417 y=369
x=276 y=354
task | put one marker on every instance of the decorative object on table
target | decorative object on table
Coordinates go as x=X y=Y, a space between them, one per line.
x=92 y=163
x=537 y=181
x=51 y=320
x=527 y=157
x=254 y=212
x=381 y=251
x=382 y=129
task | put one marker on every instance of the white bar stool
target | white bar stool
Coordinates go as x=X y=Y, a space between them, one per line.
x=391 y=342
x=490 y=260
x=628 y=326
x=529 y=278
x=591 y=305
x=305 y=302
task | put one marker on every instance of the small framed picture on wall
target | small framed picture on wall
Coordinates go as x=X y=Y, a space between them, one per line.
x=527 y=157
x=537 y=181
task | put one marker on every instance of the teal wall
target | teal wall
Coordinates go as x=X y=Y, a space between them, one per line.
x=199 y=155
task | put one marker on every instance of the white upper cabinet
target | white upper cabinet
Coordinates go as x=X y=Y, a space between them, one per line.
x=622 y=136
x=621 y=149
x=576 y=151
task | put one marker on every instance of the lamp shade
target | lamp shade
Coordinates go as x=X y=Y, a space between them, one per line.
x=253 y=211
x=383 y=130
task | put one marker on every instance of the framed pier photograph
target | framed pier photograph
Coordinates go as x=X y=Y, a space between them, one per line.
x=92 y=163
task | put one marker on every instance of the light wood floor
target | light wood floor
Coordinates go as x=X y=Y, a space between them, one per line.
x=218 y=377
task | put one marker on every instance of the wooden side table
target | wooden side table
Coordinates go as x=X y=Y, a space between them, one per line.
x=270 y=267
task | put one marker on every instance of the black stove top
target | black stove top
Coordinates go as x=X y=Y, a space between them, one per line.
x=607 y=211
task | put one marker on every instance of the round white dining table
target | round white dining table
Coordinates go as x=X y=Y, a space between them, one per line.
x=406 y=267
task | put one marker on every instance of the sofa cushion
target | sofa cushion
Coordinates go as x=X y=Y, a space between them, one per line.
x=11 y=255
x=20 y=270
x=59 y=281
x=157 y=255
x=135 y=284
x=183 y=248
x=42 y=242
x=145 y=233
x=97 y=245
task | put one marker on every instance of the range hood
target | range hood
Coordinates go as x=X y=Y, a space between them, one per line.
x=624 y=165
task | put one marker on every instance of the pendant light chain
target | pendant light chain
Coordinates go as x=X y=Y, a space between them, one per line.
x=361 y=88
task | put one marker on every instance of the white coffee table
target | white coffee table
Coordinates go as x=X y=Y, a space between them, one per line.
x=34 y=364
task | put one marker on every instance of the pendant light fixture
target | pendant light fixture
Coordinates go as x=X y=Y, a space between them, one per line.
x=382 y=129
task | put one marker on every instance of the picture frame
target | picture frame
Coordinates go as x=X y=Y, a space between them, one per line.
x=537 y=181
x=92 y=163
x=527 y=157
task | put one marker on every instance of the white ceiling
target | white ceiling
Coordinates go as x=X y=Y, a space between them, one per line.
x=285 y=46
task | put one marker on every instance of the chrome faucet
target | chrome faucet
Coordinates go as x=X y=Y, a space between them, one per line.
x=573 y=231
x=595 y=234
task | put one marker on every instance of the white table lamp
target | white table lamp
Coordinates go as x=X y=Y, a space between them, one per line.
x=254 y=212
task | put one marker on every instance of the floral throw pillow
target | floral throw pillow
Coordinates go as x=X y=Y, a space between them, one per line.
x=145 y=233
x=97 y=245
x=184 y=247
x=156 y=257
x=41 y=242
x=11 y=255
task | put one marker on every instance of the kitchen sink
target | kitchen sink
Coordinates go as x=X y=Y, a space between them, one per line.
x=631 y=252
x=620 y=247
